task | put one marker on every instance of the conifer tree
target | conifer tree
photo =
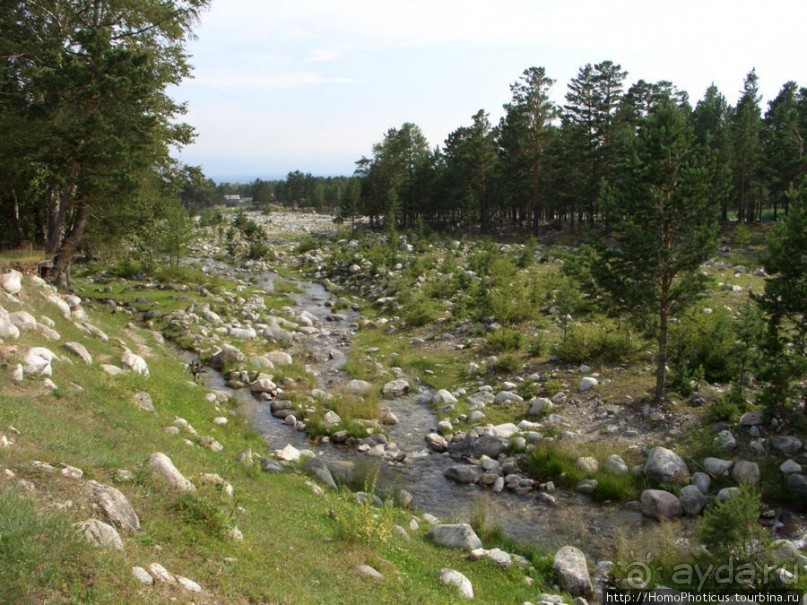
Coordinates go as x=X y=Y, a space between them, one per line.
x=661 y=232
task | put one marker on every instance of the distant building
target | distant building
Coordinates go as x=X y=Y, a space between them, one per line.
x=235 y=201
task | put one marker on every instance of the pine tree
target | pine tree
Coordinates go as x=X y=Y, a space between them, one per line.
x=86 y=121
x=524 y=133
x=662 y=231
x=711 y=120
x=592 y=101
x=783 y=145
x=784 y=303
x=746 y=148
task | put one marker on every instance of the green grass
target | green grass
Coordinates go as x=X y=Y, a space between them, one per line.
x=20 y=256
x=558 y=461
x=41 y=555
x=292 y=551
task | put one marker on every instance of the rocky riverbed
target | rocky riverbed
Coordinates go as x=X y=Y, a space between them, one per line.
x=451 y=464
x=434 y=448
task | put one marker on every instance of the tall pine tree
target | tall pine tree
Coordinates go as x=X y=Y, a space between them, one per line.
x=661 y=231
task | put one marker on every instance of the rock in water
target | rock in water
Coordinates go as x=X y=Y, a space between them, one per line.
x=321 y=471
x=224 y=357
x=395 y=388
x=443 y=397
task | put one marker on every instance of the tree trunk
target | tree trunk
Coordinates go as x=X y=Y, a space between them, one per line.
x=63 y=201
x=661 y=358
x=60 y=274
x=18 y=233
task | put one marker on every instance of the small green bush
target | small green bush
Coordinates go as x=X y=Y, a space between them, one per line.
x=553 y=386
x=419 y=311
x=730 y=532
x=615 y=487
x=210 y=217
x=725 y=408
x=355 y=407
x=605 y=342
x=504 y=340
x=529 y=389
x=307 y=245
x=559 y=463
x=703 y=347
x=508 y=363
x=549 y=461
x=204 y=512
x=361 y=522
x=536 y=346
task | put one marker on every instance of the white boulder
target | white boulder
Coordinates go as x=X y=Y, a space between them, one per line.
x=38 y=360
x=135 y=363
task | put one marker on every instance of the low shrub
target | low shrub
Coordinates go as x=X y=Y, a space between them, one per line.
x=504 y=340
x=617 y=488
x=703 y=347
x=529 y=389
x=605 y=342
x=725 y=408
x=508 y=363
x=558 y=462
x=553 y=386
x=355 y=407
x=730 y=531
x=419 y=311
x=203 y=511
x=551 y=461
x=536 y=346
x=359 y=522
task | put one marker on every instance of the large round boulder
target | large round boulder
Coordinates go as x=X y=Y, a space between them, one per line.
x=660 y=504
x=665 y=466
x=571 y=570
x=459 y=535
x=692 y=500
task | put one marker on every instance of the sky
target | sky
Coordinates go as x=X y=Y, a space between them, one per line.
x=311 y=85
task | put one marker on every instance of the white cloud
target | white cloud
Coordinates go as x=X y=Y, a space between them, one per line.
x=322 y=55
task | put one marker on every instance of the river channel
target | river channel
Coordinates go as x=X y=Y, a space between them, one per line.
x=573 y=519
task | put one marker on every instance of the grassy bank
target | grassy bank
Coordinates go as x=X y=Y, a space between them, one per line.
x=298 y=546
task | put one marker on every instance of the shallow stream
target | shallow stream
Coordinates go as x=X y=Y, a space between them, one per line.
x=574 y=519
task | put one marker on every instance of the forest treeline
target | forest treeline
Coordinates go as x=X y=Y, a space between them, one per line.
x=87 y=132
x=549 y=164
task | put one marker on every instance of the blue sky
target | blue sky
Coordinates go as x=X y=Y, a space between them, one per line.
x=283 y=85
